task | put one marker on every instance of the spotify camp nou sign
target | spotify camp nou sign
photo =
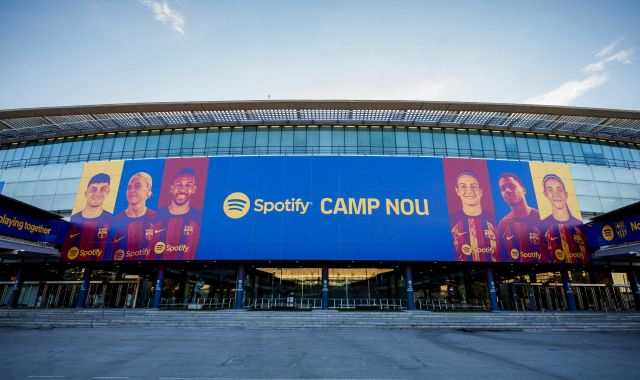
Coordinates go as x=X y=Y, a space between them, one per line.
x=326 y=208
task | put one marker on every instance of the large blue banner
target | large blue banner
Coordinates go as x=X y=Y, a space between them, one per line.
x=326 y=208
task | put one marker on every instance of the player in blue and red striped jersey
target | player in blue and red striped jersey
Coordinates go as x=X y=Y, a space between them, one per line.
x=86 y=239
x=566 y=241
x=134 y=234
x=179 y=222
x=519 y=231
x=474 y=232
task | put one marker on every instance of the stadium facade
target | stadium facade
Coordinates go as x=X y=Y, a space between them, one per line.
x=320 y=204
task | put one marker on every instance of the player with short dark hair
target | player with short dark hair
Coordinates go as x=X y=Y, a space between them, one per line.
x=519 y=231
x=87 y=236
x=179 y=221
x=474 y=232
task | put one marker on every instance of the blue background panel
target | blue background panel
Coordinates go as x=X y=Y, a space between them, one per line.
x=317 y=236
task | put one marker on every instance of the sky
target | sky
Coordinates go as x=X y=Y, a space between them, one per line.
x=562 y=52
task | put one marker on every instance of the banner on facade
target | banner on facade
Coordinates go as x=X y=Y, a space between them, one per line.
x=326 y=208
x=18 y=224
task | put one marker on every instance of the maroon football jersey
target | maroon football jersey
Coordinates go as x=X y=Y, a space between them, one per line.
x=521 y=239
x=178 y=239
x=134 y=238
x=566 y=241
x=474 y=238
x=87 y=238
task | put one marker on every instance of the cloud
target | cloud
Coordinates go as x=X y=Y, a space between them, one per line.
x=569 y=91
x=596 y=76
x=163 y=13
x=429 y=89
x=609 y=48
x=623 y=57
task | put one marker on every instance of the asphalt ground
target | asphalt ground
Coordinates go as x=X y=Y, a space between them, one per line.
x=192 y=354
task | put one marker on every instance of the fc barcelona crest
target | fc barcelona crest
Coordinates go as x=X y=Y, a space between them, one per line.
x=188 y=230
x=534 y=237
x=621 y=230
x=148 y=233
x=102 y=232
x=578 y=239
x=489 y=234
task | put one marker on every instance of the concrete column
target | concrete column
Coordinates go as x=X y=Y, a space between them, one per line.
x=491 y=286
x=408 y=284
x=84 y=288
x=16 y=289
x=182 y=288
x=532 y=298
x=254 y=283
x=240 y=287
x=157 y=294
x=325 y=288
x=568 y=291
x=468 y=286
x=635 y=287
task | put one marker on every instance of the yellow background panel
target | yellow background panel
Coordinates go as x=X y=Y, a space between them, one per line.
x=113 y=169
x=541 y=169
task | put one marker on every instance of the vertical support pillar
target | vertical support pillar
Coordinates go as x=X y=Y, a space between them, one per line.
x=84 y=288
x=635 y=288
x=254 y=283
x=568 y=291
x=532 y=298
x=157 y=294
x=325 y=288
x=240 y=287
x=408 y=284
x=182 y=288
x=491 y=286
x=16 y=289
x=468 y=286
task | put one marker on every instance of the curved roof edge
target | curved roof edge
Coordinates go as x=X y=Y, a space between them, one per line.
x=319 y=104
x=21 y=125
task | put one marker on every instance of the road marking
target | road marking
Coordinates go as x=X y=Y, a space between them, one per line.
x=110 y=377
x=45 y=377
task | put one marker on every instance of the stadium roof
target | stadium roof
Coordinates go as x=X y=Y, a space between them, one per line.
x=38 y=123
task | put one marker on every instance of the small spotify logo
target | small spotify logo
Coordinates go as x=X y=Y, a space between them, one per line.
x=607 y=233
x=73 y=253
x=466 y=249
x=119 y=255
x=236 y=205
x=159 y=248
x=515 y=254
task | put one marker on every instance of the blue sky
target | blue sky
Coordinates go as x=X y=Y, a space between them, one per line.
x=577 y=53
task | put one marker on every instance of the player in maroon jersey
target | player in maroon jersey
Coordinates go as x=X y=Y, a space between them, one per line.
x=474 y=232
x=179 y=222
x=134 y=234
x=87 y=236
x=519 y=231
x=566 y=241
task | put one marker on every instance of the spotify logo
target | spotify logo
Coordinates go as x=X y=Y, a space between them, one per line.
x=607 y=233
x=73 y=253
x=236 y=205
x=118 y=255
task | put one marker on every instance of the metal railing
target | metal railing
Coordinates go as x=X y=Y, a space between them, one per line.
x=54 y=294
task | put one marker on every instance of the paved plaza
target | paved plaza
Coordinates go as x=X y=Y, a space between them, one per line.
x=181 y=354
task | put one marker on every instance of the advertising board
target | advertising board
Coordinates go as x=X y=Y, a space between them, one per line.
x=326 y=208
